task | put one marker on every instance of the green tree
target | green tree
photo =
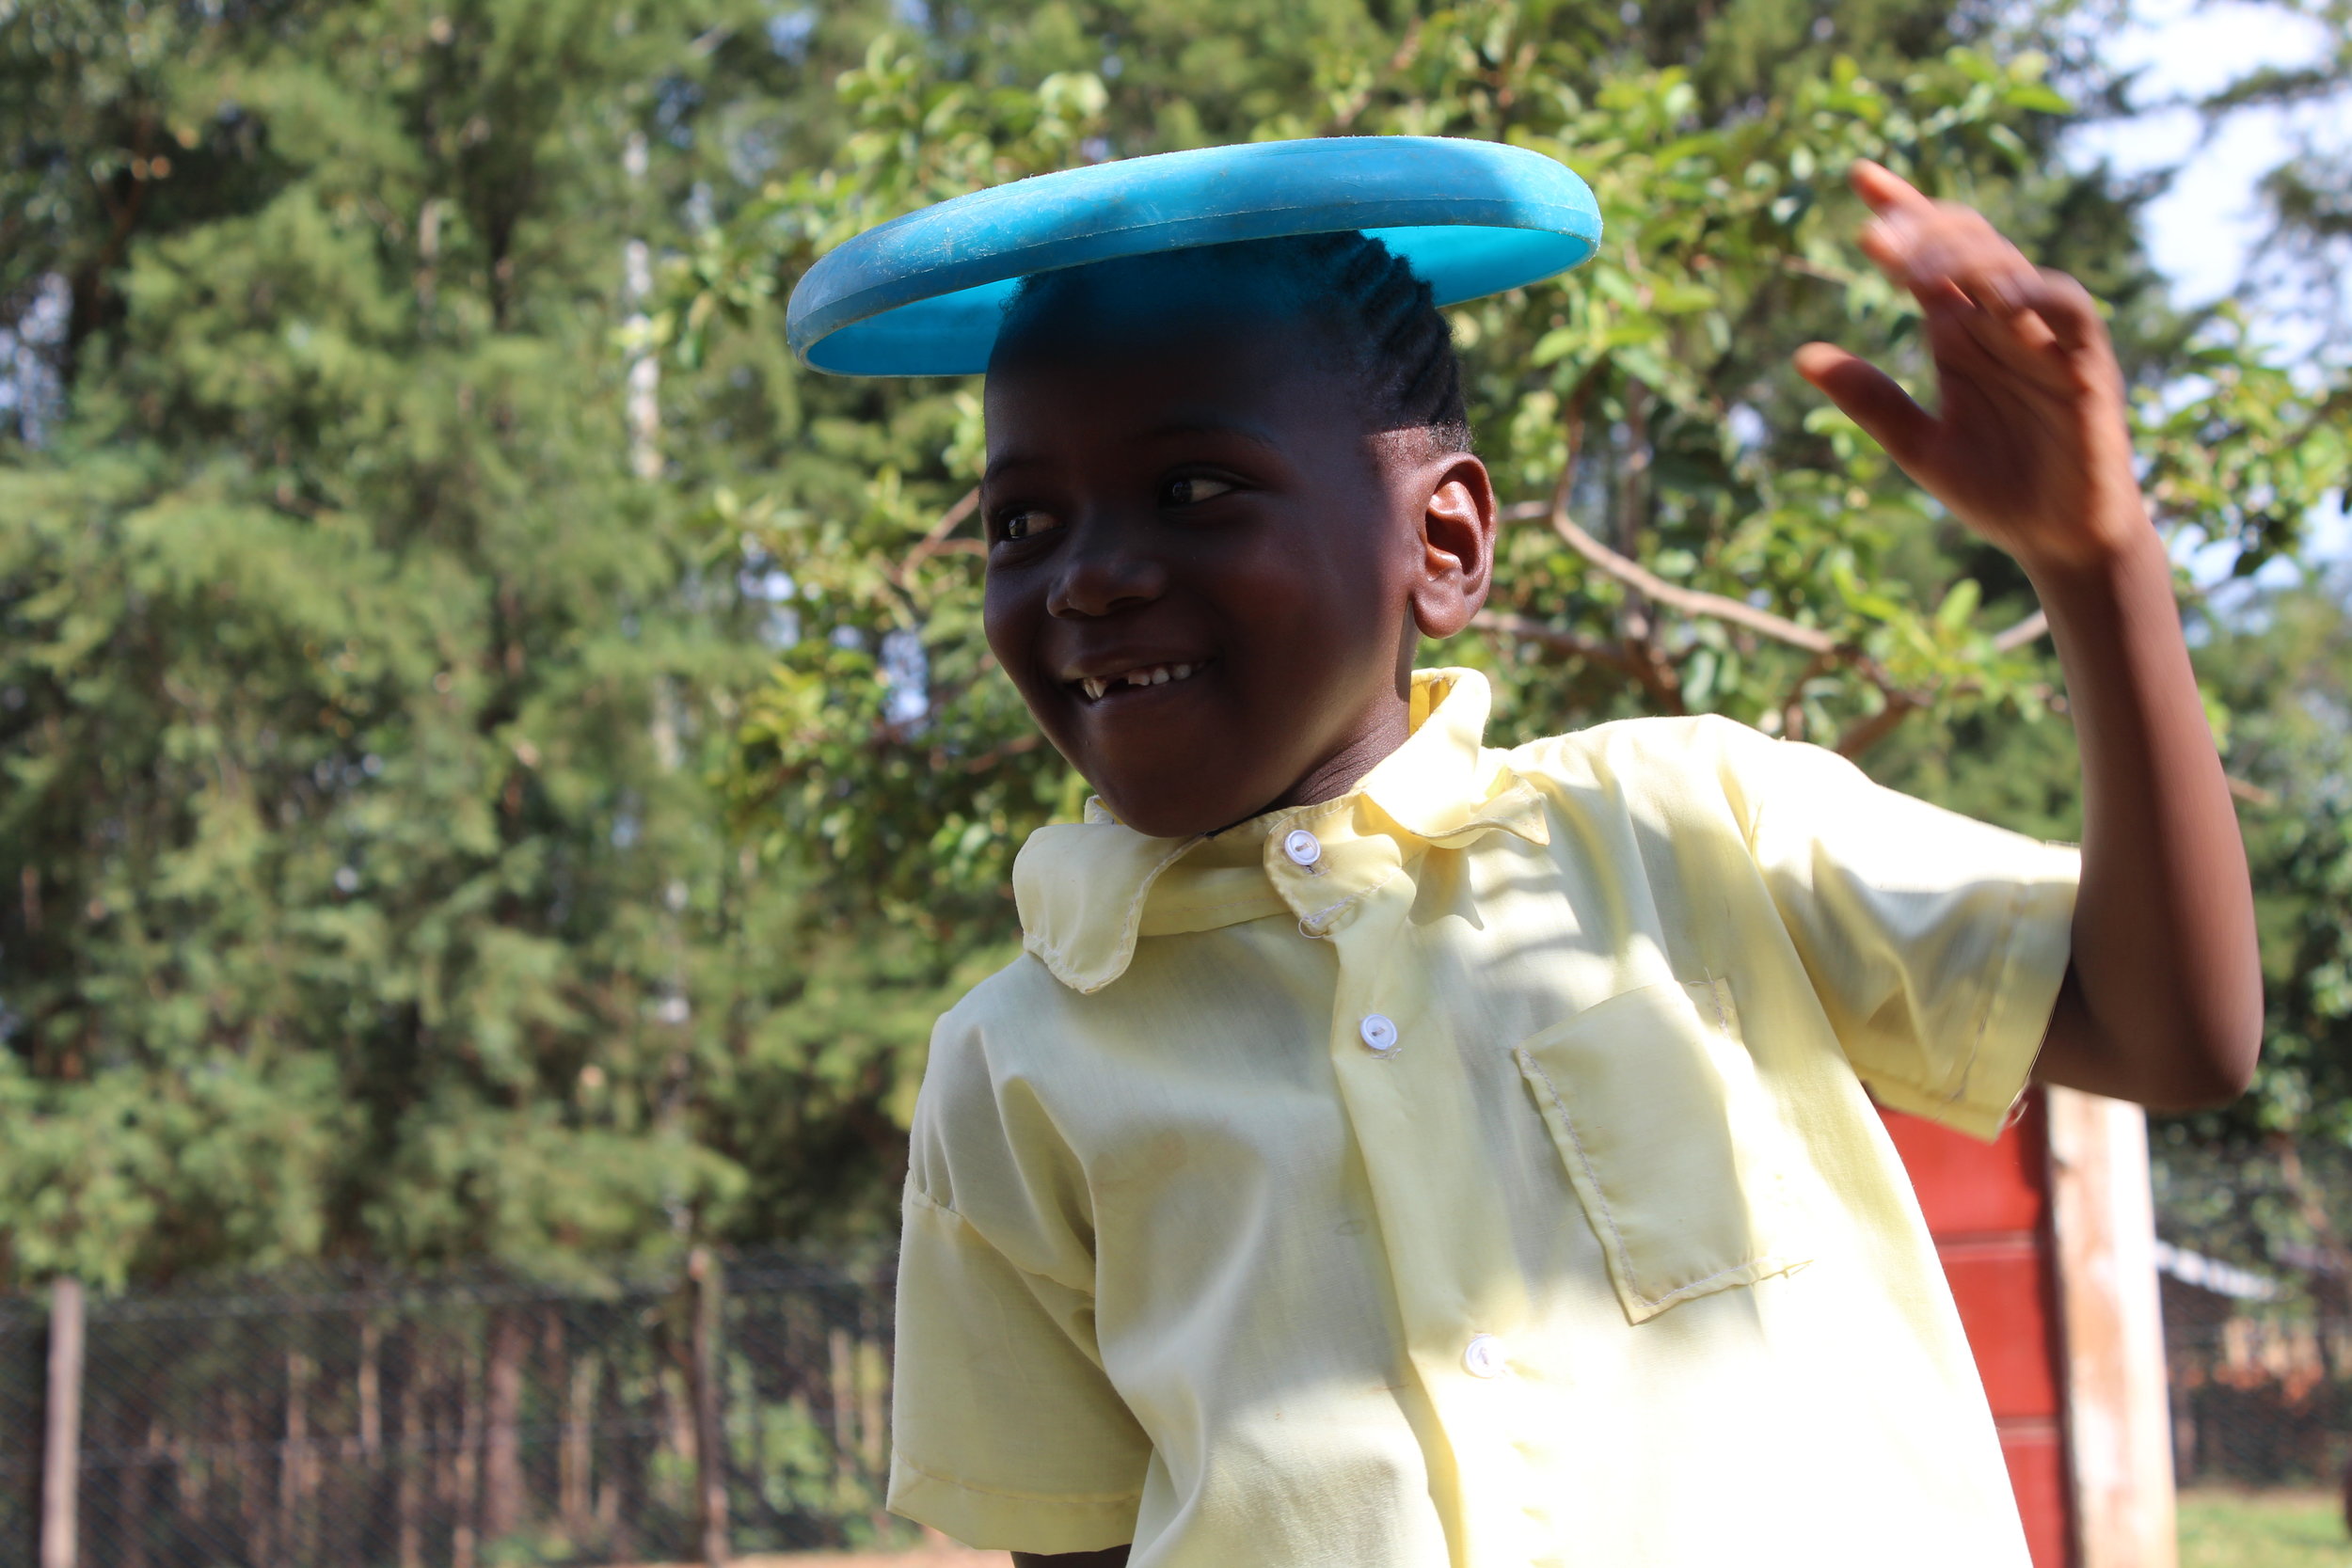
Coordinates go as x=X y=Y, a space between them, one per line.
x=1691 y=530
x=2267 y=1181
x=2308 y=195
x=500 y=764
x=361 y=673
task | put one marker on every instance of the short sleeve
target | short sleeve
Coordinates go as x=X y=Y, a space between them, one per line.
x=1937 y=944
x=1006 y=1430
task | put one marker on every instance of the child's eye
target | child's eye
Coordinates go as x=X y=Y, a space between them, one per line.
x=1193 y=490
x=1025 y=523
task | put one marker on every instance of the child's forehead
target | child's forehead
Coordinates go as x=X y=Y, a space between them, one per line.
x=1151 y=306
x=1227 y=364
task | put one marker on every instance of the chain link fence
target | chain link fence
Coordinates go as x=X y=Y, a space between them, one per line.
x=478 y=1423
x=2259 y=1400
x=463 y=1423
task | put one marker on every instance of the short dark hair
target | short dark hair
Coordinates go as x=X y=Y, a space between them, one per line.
x=1383 y=319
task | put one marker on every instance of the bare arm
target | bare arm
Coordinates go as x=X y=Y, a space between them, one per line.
x=2162 y=1002
x=1109 y=1556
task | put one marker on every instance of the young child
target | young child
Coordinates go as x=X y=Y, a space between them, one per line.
x=1397 y=1151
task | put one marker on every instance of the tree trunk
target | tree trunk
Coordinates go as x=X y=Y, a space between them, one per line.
x=61 y=1452
x=370 y=1388
x=2331 y=1285
x=502 y=1468
x=139 y=1496
x=873 y=1388
x=249 y=1445
x=873 y=1373
x=465 y=1540
x=710 y=1457
x=408 y=1491
x=575 y=1455
x=293 y=1449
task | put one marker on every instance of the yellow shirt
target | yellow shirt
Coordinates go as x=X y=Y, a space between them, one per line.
x=1476 y=1170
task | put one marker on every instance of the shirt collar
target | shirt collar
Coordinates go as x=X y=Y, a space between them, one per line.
x=1083 y=888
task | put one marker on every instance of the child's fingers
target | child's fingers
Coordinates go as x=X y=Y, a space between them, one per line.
x=1885 y=190
x=2038 y=323
x=1870 y=397
x=1964 y=273
x=1947 y=249
x=2065 y=308
x=1957 y=253
x=2017 y=341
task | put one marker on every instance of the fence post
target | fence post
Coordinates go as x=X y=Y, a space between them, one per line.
x=2119 y=1429
x=61 y=1450
x=708 y=1288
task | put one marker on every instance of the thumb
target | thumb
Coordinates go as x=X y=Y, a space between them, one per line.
x=1870 y=397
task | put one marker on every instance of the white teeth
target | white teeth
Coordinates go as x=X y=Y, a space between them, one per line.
x=1157 y=675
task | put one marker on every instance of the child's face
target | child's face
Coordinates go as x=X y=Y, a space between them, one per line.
x=1206 y=579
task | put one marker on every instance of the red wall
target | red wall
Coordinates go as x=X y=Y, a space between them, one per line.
x=1988 y=1207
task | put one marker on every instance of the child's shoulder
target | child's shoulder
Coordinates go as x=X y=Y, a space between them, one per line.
x=1004 y=1023
x=1632 y=751
x=1007 y=1063
x=1017 y=993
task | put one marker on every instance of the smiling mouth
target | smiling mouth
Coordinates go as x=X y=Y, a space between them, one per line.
x=1095 y=688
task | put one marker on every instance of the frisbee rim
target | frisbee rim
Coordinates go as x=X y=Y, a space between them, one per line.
x=1024 y=228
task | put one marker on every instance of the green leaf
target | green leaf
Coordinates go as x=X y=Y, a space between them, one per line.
x=1960 y=606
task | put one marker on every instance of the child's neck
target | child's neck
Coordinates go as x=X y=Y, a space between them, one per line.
x=1368 y=743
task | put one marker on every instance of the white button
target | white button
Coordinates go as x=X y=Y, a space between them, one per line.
x=1484 y=1357
x=1302 y=847
x=1379 y=1033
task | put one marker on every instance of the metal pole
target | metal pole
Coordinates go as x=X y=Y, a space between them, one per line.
x=61 y=1451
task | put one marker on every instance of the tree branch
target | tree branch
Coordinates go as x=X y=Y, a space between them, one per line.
x=1693 y=601
x=1860 y=737
x=1558 y=640
x=1792 y=705
x=2025 y=632
x=1020 y=745
x=1826 y=650
x=2250 y=792
x=1690 y=601
x=936 y=540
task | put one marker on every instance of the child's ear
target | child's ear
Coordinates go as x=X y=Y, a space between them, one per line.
x=1457 y=544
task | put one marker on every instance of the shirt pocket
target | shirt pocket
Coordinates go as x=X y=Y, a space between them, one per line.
x=1669 y=1140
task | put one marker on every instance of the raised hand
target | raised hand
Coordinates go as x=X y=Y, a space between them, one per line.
x=2027 y=444
x=2163 y=1000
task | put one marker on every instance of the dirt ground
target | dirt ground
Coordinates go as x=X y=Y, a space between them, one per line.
x=938 y=1556
x=931 y=1556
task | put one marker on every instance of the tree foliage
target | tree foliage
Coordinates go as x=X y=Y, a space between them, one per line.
x=501 y=763
x=1689 y=530
x=2309 y=194
x=365 y=895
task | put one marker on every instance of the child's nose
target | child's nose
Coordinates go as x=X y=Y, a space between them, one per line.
x=1102 y=572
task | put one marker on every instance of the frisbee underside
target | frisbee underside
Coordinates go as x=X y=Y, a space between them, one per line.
x=924 y=294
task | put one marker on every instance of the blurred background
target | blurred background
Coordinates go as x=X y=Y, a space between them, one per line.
x=500 y=771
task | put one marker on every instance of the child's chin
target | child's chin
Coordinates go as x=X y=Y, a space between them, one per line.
x=1160 y=810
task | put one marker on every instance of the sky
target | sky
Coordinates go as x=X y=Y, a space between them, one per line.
x=2206 y=227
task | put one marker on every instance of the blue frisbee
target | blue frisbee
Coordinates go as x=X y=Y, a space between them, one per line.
x=925 y=293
